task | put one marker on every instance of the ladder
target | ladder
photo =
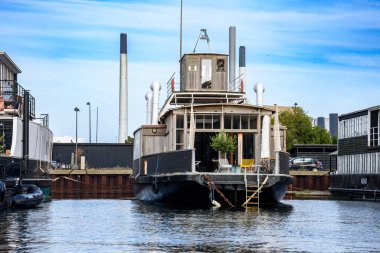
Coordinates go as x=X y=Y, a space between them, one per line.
x=252 y=191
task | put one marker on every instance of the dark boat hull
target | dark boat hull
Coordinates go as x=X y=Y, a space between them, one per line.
x=355 y=186
x=192 y=189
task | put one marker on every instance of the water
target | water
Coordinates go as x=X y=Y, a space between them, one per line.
x=133 y=226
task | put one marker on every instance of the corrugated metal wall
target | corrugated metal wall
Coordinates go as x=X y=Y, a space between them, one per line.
x=98 y=155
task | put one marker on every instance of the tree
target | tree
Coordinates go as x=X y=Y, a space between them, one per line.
x=130 y=140
x=223 y=143
x=300 y=130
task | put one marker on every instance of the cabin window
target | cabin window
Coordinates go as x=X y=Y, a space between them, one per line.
x=179 y=132
x=199 y=121
x=179 y=139
x=205 y=121
x=206 y=74
x=208 y=122
x=180 y=119
x=220 y=65
x=216 y=121
x=239 y=121
x=227 y=121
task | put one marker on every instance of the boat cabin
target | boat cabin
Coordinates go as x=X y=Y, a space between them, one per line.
x=204 y=96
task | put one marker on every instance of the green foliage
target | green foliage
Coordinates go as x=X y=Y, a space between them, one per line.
x=130 y=140
x=300 y=130
x=223 y=142
x=321 y=136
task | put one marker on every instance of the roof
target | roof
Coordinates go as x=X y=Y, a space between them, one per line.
x=9 y=63
x=358 y=113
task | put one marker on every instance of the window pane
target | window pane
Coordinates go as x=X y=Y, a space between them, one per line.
x=252 y=122
x=236 y=121
x=208 y=121
x=244 y=121
x=199 y=121
x=179 y=121
x=216 y=122
x=227 y=121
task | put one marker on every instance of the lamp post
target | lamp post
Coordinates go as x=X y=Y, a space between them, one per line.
x=2 y=148
x=97 y=118
x=76 y=109
x=89 y=119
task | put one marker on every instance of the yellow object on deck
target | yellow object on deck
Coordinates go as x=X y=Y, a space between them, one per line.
x=247 y=164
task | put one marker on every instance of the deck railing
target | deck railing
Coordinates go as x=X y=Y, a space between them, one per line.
x=11 y=98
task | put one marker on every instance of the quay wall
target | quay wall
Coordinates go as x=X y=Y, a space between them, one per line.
x=91 y=184
x=310 y=181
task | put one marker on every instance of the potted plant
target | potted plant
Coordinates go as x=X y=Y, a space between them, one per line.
x=223 y=143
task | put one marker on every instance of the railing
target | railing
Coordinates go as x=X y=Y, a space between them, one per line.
x=171 y=86
x=237 y=85
x=11 y=98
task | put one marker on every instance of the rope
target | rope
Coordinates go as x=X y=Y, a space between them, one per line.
x=211 y=184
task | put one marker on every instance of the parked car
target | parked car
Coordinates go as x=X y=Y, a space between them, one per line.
x=305 y=163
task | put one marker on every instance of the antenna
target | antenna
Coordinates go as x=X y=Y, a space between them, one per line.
x=180 y=35
x=203 y=36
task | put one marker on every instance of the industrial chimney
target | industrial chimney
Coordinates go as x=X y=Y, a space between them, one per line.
x=123 y=91
x=259 y=89
x=232 y=59
x=155 y=87
x=242 y=67
x=149 y=98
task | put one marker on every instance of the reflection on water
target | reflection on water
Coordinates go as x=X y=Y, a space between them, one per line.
x=128 y=225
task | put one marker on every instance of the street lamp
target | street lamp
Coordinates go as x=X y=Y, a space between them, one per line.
x=76 y=109
x=89 y=119
x=2 y=148
x=97 y=117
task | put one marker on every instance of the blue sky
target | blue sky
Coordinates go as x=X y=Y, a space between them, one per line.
x=324 y=55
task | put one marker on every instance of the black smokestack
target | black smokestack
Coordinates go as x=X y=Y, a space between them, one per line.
x=123 y=43
x=242 y=56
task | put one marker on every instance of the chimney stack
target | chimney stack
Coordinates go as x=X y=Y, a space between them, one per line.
x=232 y=59
x=123 y=91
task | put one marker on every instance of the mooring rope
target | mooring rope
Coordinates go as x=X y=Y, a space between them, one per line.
x=211 y=184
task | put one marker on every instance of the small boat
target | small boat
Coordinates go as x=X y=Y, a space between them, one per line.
x=14 y=193
x=29 y=196
x=174 y=161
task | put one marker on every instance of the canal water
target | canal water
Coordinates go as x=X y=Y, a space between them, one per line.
x=133 y=226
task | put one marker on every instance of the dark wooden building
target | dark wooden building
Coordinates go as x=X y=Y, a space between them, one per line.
x=358 y=172
x=98 y=155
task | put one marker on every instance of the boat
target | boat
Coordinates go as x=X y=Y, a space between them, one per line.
x=358 y=158
x=25 y=139
x=173 y=159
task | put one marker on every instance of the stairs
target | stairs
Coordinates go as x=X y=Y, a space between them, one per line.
x=253 y=192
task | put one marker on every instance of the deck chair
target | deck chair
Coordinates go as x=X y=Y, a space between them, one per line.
x=248 y=165
x=224 y=165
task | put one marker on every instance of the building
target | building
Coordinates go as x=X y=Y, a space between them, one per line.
x=358 y=172
x=330 y=123
x=97 y=155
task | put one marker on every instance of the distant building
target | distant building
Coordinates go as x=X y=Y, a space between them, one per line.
x=334 y=124
x=358 y=172
x=330 y=123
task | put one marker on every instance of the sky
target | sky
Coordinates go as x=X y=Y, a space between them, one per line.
x=322 y=55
